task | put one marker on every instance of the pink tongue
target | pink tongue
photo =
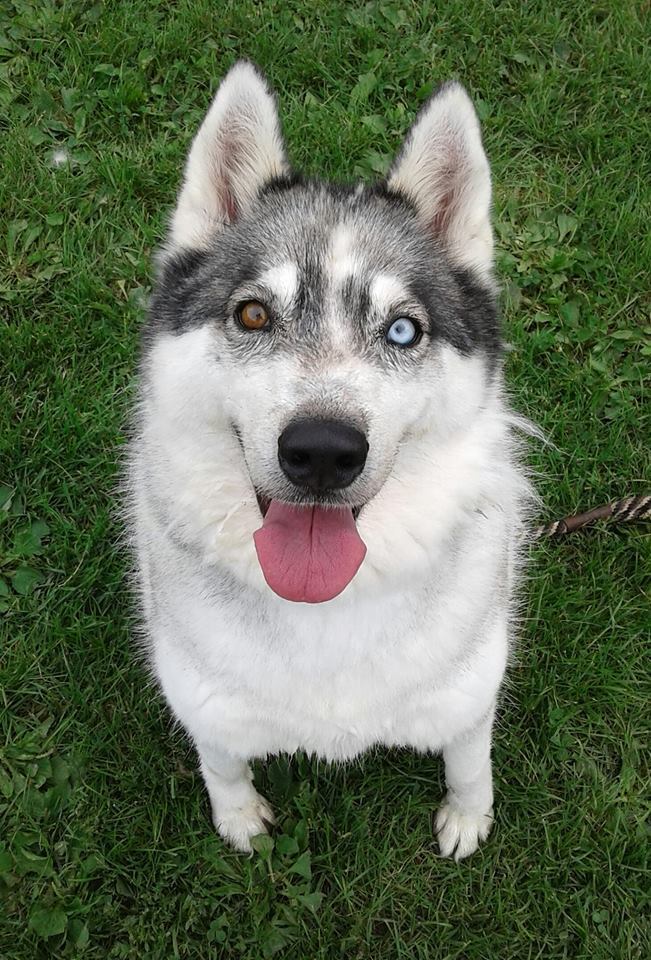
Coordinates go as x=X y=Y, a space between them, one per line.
x=308 y=554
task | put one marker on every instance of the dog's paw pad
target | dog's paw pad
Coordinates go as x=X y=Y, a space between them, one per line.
x=458 y=833
x=240 y=824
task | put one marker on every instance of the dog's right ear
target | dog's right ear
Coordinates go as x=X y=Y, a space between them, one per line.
x=443 y=169
x=238 y=148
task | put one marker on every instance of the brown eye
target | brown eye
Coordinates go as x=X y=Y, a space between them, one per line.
x=253 y=315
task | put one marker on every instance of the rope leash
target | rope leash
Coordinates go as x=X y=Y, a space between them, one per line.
x=620 y=511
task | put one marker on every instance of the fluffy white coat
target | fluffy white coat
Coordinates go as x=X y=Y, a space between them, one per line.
x=414 y=651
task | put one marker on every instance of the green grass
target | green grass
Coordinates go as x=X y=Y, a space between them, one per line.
x=106 y=849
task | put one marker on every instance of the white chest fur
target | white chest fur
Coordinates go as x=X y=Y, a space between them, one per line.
x=257 y=674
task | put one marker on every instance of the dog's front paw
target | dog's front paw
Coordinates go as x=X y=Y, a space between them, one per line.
x=459 y=833
x=238 y=825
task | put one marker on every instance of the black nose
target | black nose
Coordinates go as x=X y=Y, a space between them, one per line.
x=322 y=454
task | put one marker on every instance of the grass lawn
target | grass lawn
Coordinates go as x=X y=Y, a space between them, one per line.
x=106 y=848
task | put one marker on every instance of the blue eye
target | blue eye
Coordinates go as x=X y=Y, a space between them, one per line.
x=403 y=332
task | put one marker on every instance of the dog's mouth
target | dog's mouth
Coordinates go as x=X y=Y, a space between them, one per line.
x=264 y=503
x=308 y=552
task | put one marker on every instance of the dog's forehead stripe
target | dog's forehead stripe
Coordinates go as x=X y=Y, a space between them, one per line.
x=342 y=258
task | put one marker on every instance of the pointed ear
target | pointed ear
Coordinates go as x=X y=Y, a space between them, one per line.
x=238 y=148
x=443 y=169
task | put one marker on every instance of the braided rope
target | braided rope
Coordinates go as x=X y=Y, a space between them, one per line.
x=620 y=511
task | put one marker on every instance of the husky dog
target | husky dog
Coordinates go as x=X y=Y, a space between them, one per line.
x=324 y=488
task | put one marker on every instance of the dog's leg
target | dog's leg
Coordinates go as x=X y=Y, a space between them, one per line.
x=466 y=815
x=238 y=810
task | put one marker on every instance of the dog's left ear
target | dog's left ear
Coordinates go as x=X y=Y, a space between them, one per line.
x=238 y=148
x=443 y=169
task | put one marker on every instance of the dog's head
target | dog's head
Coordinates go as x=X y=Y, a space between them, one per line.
x=322 y=342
